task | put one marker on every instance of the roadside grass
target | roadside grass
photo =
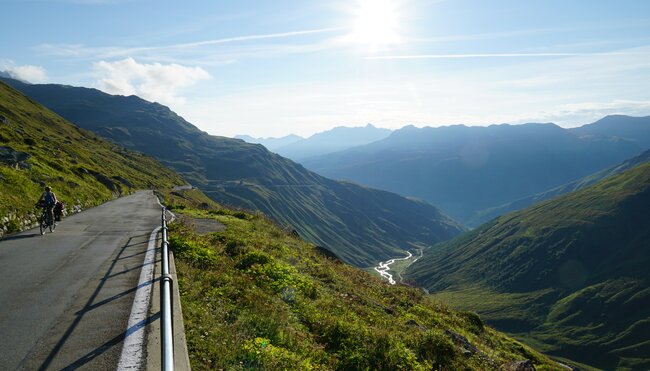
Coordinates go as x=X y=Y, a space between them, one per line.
x=40 y=148
x=255 y=296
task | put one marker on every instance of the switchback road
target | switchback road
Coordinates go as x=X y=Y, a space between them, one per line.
x=66 y=297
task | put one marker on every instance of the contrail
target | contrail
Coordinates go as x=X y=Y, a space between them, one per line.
x=486 y=55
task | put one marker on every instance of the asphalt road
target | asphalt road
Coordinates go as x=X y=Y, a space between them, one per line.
x=66 y=297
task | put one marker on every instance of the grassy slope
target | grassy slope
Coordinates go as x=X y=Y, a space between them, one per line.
x=257 y=297
x=359 y=224
x=569 y=274
x=82 y=168
x=491 y=213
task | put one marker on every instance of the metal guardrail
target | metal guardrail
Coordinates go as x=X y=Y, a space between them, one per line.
x=166 y=323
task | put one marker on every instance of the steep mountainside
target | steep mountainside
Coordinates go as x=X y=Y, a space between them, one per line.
x=257 y=297
x=486 y=215
x=38 y=147
x=337 y=139
x=464 y=170
x=569 y=274
x=360 y=225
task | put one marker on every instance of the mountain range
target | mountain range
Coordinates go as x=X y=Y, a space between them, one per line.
x=253 y=295
x=568 y=275
x=271 y=143
x=358 y=224
x=468 y=170
x=337 y=139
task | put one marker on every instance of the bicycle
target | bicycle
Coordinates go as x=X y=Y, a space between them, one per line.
x=46 y=220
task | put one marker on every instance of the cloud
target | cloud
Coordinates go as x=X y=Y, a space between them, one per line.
x=483 y=55
x=29 y=73
x=155 y=82
x=231 y=48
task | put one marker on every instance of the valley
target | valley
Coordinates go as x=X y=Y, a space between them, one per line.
x=355 y=185
x=398 y=266
x=546 y=274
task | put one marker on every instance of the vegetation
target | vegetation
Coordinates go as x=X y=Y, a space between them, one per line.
x=40 y=148
x=568 y=275
x=491 y=213
x=255 y=296
x=360 y=225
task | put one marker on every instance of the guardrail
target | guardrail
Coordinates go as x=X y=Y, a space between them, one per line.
x=166 y=323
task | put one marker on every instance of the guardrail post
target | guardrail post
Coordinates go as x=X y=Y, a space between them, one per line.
x=166 y=323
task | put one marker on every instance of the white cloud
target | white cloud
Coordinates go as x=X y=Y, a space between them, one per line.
x=33 y=74
x=155 y=82
x=230 y=48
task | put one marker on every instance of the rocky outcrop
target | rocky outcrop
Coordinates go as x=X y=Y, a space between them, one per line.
x=13 y=158
x=525 y=365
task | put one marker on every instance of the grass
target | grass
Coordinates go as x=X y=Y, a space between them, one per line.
x=568 y=275
x=358 y=224
x=83 y=169
x=255 y=296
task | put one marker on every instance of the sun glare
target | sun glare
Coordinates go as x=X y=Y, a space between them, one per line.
x=376 y=23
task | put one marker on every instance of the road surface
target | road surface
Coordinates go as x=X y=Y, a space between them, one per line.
x=66 y=297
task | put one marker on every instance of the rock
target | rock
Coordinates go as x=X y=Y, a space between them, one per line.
x=525 y=365
x=123 y=181
x=106 y=181
x=466 y=348
x=415 y=324
x=11 y=157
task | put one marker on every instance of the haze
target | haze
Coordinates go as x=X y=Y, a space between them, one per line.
x=269 y=68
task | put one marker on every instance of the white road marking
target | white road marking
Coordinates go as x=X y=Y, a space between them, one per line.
x=132 y=351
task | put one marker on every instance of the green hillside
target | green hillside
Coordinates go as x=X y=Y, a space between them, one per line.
x=360 y=225
x=257 y=297
x=37 y=147
x=491 y=213
x=570 y=275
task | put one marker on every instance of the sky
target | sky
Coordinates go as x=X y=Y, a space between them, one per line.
x=269 y=68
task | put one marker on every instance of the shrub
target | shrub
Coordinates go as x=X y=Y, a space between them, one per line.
x=473 y=320
x=193 y=251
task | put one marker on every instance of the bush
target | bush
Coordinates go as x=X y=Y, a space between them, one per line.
x=193 y=252
x=474 y=321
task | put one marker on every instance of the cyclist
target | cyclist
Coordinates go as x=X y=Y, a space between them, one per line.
x=48 y=200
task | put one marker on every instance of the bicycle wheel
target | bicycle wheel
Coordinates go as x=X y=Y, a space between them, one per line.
x=41 y=225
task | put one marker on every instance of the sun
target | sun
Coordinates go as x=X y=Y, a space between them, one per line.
x=376 y=23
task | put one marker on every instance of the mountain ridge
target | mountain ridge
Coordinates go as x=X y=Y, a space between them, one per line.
x=41 y=148
x=464 y=170
x=240 y=174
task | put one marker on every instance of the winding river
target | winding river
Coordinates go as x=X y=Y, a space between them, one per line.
x=384 y=267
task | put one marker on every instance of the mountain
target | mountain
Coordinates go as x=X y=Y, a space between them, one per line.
x=271 y=143
x=617 y=128
x=256 y=297
x=40 y=148
x=485 y=215
x=569 y=275
x=337 y=139
x=464 y=170
x=360 y=225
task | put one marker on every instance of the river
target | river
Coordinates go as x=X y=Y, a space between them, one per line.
x=384 y=267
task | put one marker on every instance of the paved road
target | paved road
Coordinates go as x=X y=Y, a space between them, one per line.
x=66 y=297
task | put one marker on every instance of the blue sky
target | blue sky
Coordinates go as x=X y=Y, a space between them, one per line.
x=270 y=68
